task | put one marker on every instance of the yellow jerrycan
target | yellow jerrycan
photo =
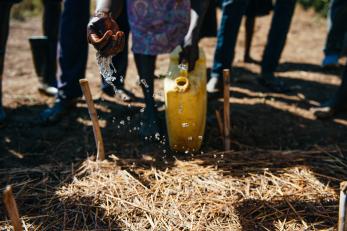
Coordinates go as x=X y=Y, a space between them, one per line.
x=186 y=103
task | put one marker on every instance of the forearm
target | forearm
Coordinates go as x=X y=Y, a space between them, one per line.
x=113 y=7
x=198 y=12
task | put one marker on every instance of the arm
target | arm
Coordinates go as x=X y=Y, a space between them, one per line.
x=111 y=7
x=190 y=47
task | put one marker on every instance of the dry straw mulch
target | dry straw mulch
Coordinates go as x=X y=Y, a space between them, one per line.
x=244 y=190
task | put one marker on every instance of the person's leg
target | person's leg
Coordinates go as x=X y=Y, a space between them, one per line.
x=283 y=13
x=73 y=54
x=233 y=10
x=250 y=22
x=50 y=24
x=145 y=65
x=5 y=9
x=336 y=33
x=337 y=104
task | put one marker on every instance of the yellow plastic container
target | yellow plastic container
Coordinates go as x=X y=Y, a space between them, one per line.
x=186 y=104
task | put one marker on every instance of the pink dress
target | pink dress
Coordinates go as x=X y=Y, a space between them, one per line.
x=158 y=26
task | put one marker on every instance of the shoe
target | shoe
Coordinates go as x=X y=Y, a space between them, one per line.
x=48 y=90
x=120 y=93
x=58 y=111
x=150 y=129
x=273 y=84
x=330 y=61
x=214 y=85
x=2 y=117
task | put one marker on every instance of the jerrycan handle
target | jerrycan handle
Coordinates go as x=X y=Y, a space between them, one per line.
x=182 y=82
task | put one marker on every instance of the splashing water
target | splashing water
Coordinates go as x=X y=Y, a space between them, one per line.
x=107 y=69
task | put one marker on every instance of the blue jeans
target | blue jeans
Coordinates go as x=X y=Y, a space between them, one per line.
x=232 y=12
x=73 y=47
x=337 y=27
x=283 y=13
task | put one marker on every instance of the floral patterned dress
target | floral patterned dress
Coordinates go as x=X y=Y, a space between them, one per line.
x=158 y=26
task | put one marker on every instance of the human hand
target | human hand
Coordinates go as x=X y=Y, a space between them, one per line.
x=104 y=34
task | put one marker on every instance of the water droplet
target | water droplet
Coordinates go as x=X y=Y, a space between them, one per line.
x=142 y=110
x=200 y=137
x=185 y=125
x=128 y=118
x=180 y=109
x=190 y=138
x=122 y=122
x=143 y=81
x=186 y=152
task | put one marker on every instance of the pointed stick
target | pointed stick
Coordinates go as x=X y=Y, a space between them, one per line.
x=220 y=123
x=226 y=78
x=94 y=117
x=343 y=207
x=12 y=210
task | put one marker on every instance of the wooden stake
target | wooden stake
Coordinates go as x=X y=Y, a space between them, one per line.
x=226 y=78
x=12 y=210
x=94 y=117
x=220 y=123
x=343 y=207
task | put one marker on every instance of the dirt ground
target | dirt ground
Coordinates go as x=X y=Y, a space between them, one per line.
x=260 y=120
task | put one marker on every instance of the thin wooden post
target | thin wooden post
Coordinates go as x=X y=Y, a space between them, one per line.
x=226 y=78
x=94 y=117
x=12 y=210
x=220 y=123
x=343 y=207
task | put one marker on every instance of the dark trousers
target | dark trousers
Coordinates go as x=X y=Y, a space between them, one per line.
x=232 y=12
x=337 y=27
x=145 y=65
x=50 y=24
x=340 y=98
x=73 y=47
x=283 y=13
x=120 y=61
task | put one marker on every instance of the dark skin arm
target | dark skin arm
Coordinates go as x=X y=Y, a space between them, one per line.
x=103 y=31
x=190 y=48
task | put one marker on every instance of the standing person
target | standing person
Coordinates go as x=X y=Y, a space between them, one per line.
x=232 y=12
x=226 y=41
x=72 y=57
x=157 y=27
x=73 y=54
x=5 y=10
x=337 y=30
x=337 y=104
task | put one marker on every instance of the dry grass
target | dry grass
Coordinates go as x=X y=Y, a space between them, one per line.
x=245 y=190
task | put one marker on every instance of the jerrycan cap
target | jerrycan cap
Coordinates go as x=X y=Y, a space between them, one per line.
x=182 y=84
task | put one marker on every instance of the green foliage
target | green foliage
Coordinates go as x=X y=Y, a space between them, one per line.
x=26 y=8
x=321 y=6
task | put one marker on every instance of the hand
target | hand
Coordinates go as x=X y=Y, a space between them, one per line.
x=189 y=54
x=104 y=34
